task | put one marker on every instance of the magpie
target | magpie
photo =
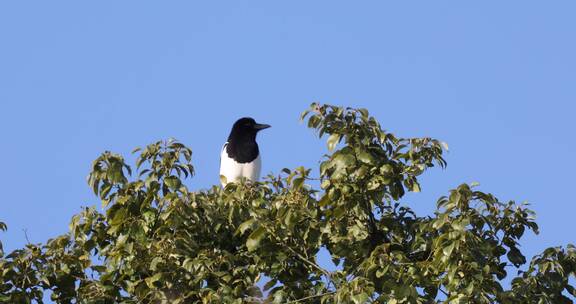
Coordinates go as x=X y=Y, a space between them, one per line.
x=240 y=156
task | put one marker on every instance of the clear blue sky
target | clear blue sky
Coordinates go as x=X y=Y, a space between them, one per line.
x=496 y=80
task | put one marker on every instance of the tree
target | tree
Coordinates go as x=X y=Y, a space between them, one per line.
x=156 y=241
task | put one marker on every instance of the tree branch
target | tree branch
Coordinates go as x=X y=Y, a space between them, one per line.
x=299 y=255
x=311 y=297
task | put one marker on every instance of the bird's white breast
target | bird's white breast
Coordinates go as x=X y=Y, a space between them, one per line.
x=233 y=170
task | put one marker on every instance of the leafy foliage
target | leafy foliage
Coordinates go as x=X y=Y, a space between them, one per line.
x=156 y=241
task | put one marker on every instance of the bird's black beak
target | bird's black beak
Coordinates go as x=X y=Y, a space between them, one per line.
x=259 y=127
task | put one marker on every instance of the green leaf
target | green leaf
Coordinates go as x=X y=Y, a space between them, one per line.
x=516 y=257
x=246 y=225
x=223 y=180
x=333 y=141
x=254 y=238
x=303 y=115
x=172 y=182
x=415 y=186
x=270 y=284
x=155 y=262
x=341 y=162
x=324 y=201
x=119 y=216
x=153 y=279
x=298 y=182
x=360 y=298
x=339 y=211
x=366 y=157
x=447 y=250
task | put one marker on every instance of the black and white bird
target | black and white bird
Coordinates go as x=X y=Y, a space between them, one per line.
x=240 y=156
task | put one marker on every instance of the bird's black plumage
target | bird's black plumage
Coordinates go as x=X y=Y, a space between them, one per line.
x=241 y=145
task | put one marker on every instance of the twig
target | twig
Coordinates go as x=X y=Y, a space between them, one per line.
x=26 y=236
x=324 y=271
x=311 y=297
x=297 y=254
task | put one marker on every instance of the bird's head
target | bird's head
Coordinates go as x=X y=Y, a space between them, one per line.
x=246 y=127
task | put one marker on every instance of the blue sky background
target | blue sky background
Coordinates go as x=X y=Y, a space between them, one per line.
x=496 y=80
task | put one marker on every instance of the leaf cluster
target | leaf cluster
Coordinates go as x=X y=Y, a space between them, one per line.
x=156 y=241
